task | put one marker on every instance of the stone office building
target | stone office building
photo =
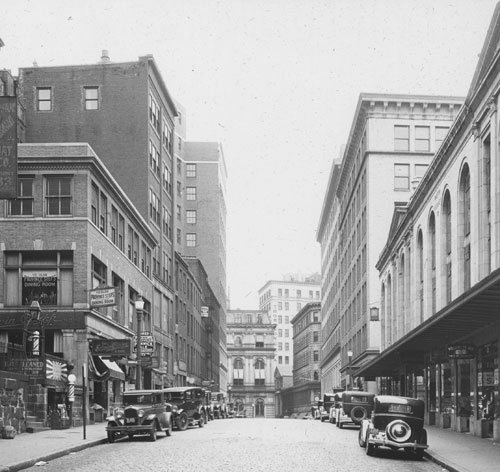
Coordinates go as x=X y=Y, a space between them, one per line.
x=440 y=271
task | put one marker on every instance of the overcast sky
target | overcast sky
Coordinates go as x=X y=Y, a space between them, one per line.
x=275 y=81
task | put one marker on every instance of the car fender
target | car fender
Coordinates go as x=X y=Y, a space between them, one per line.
x=365 y=425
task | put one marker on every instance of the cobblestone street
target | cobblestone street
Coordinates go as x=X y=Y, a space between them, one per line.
x=242 y=445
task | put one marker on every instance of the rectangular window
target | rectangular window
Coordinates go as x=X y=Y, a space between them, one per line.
x=58 y=195
x=154 y=207
x=191 y=217
x=315 y=356
x=191 y=239
x=441 y=132
x=46 y=276
x=190 y=193
x=422 y=138
x=91 y=98
x=401 y=177
x=167 y=179
x=114 y=225
x=179 y=236
x=299 y=293
x=167 y=136
x=315 y=336
x=121 y=232
x=23 y=204
x=94 y=204
x=103 y=209
x=190 y=170
x=401 y=138
x=44 y=98
x=154 y=113
x=287 y=306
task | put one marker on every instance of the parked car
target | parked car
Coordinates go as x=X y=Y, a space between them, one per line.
x=219 y=407
x=325 y=405
x=142 y=412
x=356 y=406
x=188 y=406
x=396 y=423
x=336 y=405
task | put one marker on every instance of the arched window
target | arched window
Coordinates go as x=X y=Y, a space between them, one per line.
x=259 y=408
x=432 y=259
x=238 y=371
x=464 y=226
x=260 y=373
x=420 y=274
x=447 y=244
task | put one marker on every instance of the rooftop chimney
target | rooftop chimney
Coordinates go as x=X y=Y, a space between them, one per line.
x=104 y=57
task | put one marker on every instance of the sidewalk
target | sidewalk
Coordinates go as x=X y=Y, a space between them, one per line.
x=26 y=449
x=462 y=452
x=458 y=452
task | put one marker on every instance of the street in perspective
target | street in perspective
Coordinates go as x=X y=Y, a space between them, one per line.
x=260 y=445
x=250 y=235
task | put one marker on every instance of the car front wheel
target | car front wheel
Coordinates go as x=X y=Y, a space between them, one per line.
x=152 y=433
x=182 y=421
x=201 y=421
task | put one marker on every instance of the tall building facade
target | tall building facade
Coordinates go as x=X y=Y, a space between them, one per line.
x=306 y=390
x=251 y=351
x=282 y=300
x=440 y=271
x=389 y=148
x=203 y=218
x=66 y=252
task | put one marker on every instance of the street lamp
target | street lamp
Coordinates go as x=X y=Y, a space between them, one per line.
x=349 y=355
x=229 y=388
x=139 y=307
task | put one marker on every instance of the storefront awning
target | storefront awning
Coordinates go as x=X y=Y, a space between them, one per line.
x=472 y=311
x=102 y=369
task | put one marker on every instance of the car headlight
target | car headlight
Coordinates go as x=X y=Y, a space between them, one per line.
x=399 y=431
x=140 y=413
x=175 y=409
x=118 y=413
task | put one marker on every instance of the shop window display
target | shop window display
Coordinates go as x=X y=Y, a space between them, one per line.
x=487 y=386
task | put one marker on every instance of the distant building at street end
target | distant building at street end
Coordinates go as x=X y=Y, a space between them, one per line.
x=391 y=143
x=251 y=350
x=282 y=300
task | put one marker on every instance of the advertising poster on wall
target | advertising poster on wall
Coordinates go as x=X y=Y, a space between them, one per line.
x=39 y=285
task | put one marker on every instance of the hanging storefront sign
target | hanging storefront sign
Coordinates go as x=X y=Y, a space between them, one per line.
x=8 y=147
x=103 y=296
x=39 y=285
x=111 y=347
x=461 y=351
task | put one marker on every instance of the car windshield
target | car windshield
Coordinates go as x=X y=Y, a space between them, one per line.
x=359 y=399
x=176 y=395
x=138 y=399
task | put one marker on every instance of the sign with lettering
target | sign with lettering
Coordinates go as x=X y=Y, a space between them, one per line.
x=112 y=347
x=32 y=366
x=204 y=312
x=461 y=351
x=39 y=285
x=103 y=296
x=8 y=147
x=147 y=343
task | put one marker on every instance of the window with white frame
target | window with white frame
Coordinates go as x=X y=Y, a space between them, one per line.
x=190 y=193
x=23 y=204
x=401 y=138
x=91 y=98
x=401 y=177
x=190 y=239
x=58 y=197
x=191 y=217
x=422 y=138
x=190 y=170
x=44 y=98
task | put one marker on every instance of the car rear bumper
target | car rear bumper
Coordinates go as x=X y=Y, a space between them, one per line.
x=393 y=444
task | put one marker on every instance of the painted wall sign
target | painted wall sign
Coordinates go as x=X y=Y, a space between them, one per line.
x=461 y=351
x=31 y=366
x=8 y=147
x=104 y=296
x=112 y=347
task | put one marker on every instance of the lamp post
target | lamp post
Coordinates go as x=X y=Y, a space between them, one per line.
x=229 y=388
x=349 y=356
x=139 y=306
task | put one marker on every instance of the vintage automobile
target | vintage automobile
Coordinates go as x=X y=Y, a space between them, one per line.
x=219 y=407
x=336 y=405
x=188 y=406
x=142 y=412
x=325 y=405
x=356 y=406
x=396 y=423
